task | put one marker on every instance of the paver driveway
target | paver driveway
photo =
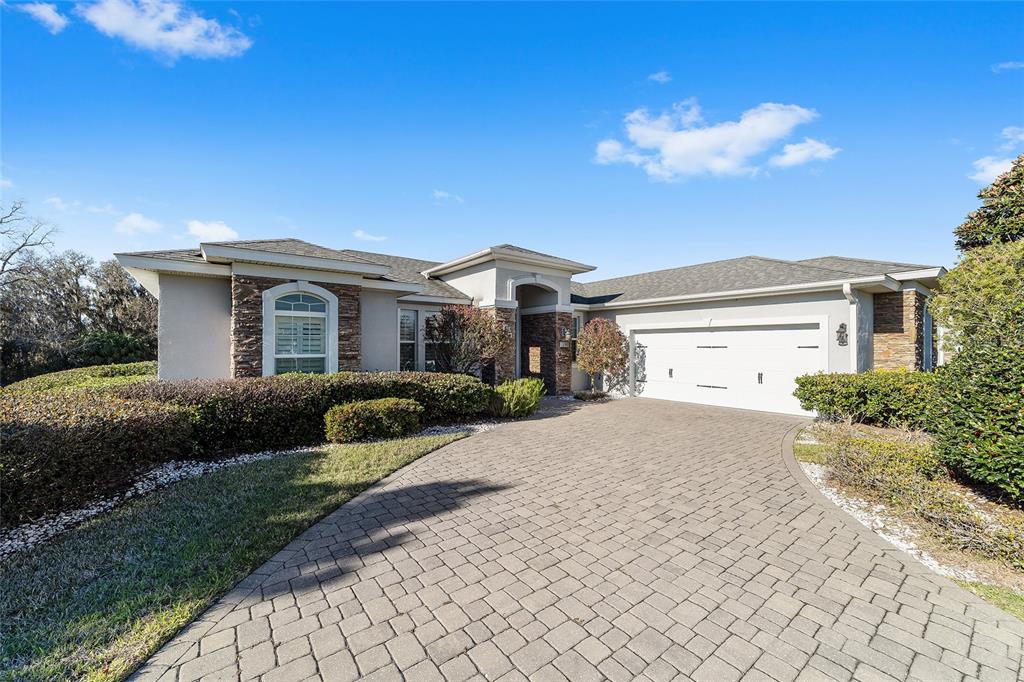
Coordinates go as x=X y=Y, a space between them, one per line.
x=632 y=539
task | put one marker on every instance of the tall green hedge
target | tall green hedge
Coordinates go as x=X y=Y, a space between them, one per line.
x=896 y=398
x=96 y=376
x=979 y=419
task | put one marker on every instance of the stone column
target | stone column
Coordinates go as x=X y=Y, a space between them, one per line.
x=504 y=366
x=898 y=338
x=542 y=353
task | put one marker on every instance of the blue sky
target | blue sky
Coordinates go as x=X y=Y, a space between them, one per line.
x=630 y=136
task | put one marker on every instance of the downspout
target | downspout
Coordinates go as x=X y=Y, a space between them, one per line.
x=853 y=333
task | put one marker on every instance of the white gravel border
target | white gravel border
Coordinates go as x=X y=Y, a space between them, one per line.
x=874 y=517
x=28 y=535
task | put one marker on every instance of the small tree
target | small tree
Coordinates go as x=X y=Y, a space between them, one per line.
x=601 y=348
x=466 y=338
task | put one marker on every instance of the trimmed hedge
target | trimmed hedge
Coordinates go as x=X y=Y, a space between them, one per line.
x=893 y=398
x=62 y=449
x=518 y=398
x=979 y=419
x=288 y=410
x=97 y=376
x=381 y=418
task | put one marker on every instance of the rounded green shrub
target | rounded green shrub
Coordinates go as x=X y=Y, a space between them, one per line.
x=381 y=418
x=883 y=397
x=519 y=398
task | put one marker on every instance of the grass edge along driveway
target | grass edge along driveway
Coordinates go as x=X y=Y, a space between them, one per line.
x=96 y=602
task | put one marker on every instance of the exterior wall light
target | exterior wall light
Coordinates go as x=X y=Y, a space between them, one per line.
x=841 y=335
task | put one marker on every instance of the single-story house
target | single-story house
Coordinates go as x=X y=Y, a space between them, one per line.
x=733 y=333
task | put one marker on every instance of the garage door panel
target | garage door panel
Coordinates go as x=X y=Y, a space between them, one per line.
x=746 y=367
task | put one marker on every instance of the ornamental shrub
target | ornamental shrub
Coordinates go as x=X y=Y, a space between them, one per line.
x=97 y=376
x=909 y=475
x=62 y=449
x=519 y=398
x=893 y=398
x=602 y=350
x=979 y=421
x=381 y=418
x=288 y=410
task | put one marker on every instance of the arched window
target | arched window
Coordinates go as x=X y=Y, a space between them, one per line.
x=300 y=334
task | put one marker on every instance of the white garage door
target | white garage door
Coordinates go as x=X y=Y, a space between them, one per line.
x=747 y=367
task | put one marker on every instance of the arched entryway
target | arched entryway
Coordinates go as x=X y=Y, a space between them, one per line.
x=542 y=336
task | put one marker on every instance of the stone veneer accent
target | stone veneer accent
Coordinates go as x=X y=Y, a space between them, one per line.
x=542 y=335
x=247 y=323
x=899 y=325
x=504 y=367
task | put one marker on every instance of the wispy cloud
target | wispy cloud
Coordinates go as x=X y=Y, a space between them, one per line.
x=1007 y=66
x=803 y=152
x=442 y=197
x=46 y=14
x=660 y=77
x=1014 y=135
x=136 y=223
x=678 y=144
x=365 y=236
x=165 y=27
x=212 y=231
x=988 y=168
x=61 y=205
x=106 y=209
x=5 y=183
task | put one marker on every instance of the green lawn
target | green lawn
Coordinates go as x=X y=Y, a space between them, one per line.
x=1008 y=600
x=99 y=600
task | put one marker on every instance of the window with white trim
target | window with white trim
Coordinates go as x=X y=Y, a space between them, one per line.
x=408 y=336
x=300 y=334
x=576 y=322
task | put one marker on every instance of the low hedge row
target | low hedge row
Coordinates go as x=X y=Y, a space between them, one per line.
x=287 y=411
x=893 y=398
x=381 y=418
x=64 y=448
x=96 y=376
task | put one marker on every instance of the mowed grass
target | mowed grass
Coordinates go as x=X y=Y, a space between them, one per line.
x=95 y=603
x=1008 y=600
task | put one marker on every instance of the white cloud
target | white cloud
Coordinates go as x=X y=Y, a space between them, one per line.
x=441 y=197
x=660 y=77
x=1007 y=66
x=106 y=209
x=1014 y=135
x=61 y=205
x=367 y=237
x=5 y=183
x=166 y=27
x=136 y=223
x=213 y=231
x=988 y=168
x=803 y=152
x=675 y=144
x=46 y=14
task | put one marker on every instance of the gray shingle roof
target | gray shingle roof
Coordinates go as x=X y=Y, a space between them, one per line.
x=734 y=274
x=530 y=252
x=861 y=266
x=409 y=269
x=296 y=247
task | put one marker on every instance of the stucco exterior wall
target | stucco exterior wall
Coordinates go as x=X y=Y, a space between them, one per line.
x=379 y=311
x=832 y=305
x=194 y=328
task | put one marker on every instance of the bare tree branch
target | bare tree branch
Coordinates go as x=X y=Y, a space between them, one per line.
x=20 y=236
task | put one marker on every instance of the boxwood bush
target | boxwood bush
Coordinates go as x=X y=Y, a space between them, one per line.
x=64 y=448
x=894 y=398
x=288 y=410
x=381 y=418
x=97 y=376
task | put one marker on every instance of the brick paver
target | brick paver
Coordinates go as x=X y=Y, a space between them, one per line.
x=631 y=539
